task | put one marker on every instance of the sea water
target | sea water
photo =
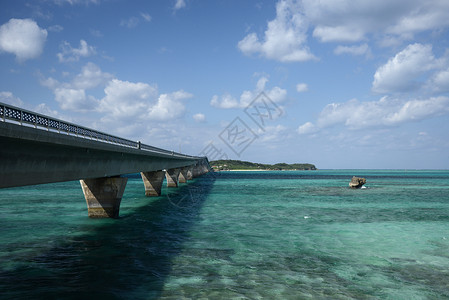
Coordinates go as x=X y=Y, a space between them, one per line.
x=233 y=235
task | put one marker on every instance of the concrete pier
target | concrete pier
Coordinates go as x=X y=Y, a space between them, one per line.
x=182 y=175
x=172 y=177
x=153 y=182
x=103 y=196
x=189 y=173
x=195 y=171
x=199 y=169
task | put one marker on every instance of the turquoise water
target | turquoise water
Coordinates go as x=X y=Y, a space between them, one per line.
x=234 y=235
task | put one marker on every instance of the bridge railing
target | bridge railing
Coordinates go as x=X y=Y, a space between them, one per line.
x=9 y=113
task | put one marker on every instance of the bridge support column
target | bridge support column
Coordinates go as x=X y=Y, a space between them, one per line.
x=172 y=177
x=153 y=182
x=195 y=171
x=103 y=196
x=189 y=173
x=183 y=175
x=199 y=170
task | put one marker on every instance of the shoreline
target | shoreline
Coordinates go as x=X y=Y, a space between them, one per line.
x=249 y=170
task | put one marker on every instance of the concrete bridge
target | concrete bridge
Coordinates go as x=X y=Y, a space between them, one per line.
x=37 y=149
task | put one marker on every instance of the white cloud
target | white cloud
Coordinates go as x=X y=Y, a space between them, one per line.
x=402 y=72
x=127 y=100
x=90 y=77
x=276 y=94
x=285 y=38
x=302 y=87
x=338 y=33
x=169 y=106
x=179 y=4
x=439 y=81
x=45 y=110
x=199 y=117
x=23 y=38
x=49 y=82
x=69 y=53
x=224 y=101
x=383 y=113
x=72 y=95
x=415 y=110
x=389 y=22
x=423 y=16
x=123 y=101
x=307 y=128
x=9 y=98
x=353 y=50
x=272 y=135
x=74 y=99
x=353 y=21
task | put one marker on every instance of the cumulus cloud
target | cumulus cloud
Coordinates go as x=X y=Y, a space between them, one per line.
x=90 y=77
x=403 y=72
x=353 y=21
x=123 y=103
x=302 y=87
x=23 y=38
x=276 y=94
x=72 y=95
x=169 y=106
x=285 y=38
x=70 y=54
x=9 y=98
x=74 y=99
x=199 y=117
x=421 y=17
x=127 y=100
x=382 y=113
x=224 y=101
x=307 y=128
x=272 y=135
x=439 y=81
x=389 y=22
x=338 y=33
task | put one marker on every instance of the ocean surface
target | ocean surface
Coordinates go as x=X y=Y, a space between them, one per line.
x=233 y=235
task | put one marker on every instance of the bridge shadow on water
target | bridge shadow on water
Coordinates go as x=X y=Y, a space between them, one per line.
x=126 y=258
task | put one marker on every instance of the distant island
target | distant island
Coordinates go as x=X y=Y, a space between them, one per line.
x=229 y=165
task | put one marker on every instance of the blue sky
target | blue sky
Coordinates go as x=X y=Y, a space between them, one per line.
x=346 y=84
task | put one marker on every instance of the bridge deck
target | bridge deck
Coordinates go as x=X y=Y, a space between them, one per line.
x=34 y=156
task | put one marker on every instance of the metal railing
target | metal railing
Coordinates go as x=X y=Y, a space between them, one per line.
x=9 y=113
